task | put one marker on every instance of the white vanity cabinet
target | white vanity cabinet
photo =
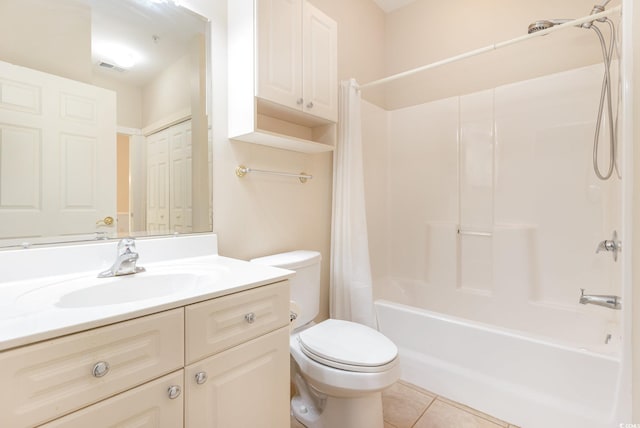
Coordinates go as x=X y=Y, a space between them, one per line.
x=157 y=404
x=283 y=88
x=237 y=350
x=245 y=386
x=222 y=362
x=46 y=380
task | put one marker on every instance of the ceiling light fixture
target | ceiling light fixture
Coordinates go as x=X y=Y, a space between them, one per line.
x=118 y=55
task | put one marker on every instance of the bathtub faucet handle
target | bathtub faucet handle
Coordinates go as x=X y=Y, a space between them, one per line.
x=612 y=245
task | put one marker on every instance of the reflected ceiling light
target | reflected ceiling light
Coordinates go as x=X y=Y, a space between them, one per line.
x=175 y=2
x=119 y=55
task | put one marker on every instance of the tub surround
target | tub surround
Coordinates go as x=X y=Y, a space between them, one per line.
x=28 y=298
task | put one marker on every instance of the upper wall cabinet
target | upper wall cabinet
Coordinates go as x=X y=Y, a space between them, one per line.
x=283 y=88
x=297 y=57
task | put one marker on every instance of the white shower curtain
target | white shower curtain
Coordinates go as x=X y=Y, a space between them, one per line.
x=351 y=284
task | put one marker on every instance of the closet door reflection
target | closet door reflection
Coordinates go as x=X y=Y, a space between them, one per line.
x=169 y=180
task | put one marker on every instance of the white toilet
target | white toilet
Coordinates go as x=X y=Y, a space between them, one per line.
x=339 y=367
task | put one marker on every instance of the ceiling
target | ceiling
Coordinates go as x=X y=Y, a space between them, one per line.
x=157 y=31
x=391 y=5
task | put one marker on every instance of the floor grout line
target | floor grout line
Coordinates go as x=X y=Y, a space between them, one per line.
x=435 y=397
x=476 y=412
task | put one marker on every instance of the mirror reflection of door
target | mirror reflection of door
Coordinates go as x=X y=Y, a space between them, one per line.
x=57 y=155
x=151 y=58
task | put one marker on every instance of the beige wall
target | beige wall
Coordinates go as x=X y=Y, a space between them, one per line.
x=431 y=30
x=128 y=101
x=53 y=37
x=167 y=93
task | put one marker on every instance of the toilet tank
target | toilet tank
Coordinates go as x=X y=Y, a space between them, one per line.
x=305 y=285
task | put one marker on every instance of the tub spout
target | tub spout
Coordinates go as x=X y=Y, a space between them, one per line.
x=612 y=302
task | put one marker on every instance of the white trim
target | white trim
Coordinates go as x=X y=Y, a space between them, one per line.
x=168 y=121
x=128 y=131
x=624 y=399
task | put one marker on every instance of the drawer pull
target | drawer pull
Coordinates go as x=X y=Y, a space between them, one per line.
x=250 y=317
x=201 y=377
x=100 y=369
x=174 y=392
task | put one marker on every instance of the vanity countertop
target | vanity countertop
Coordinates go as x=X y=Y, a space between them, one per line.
x=37 y=309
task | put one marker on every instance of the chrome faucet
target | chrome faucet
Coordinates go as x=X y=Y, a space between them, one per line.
x=612 y=302
x=125 y=263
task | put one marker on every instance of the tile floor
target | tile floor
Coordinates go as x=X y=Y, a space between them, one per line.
x=407 y=406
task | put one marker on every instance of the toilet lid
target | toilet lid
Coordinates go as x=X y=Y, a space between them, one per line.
x=347 y=345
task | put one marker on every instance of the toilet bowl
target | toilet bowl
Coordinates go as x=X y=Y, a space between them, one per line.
x=339 y=368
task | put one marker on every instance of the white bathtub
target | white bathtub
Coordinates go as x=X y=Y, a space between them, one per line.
x=527 y=381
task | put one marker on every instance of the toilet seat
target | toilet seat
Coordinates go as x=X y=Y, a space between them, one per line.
x=348 y=346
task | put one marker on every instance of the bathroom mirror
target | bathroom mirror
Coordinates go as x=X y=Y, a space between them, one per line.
x=104 y=120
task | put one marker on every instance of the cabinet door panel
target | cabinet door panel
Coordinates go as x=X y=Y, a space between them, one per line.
x=247 y=386
x=279 y=51
x=227 y=321
x=147 y=406
x=53 y=378
x=320 y=57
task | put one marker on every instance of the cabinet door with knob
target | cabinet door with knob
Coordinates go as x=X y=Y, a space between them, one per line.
x=245 y=386
x=319 y=61
x=297 y=57
x=280 y=51
x=222 y=323
x=62 y=375
x=157 y=404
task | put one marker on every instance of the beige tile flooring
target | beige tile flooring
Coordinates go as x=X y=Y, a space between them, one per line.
x=407 y=406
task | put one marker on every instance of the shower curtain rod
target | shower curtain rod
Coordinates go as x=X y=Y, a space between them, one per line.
x=492 y=47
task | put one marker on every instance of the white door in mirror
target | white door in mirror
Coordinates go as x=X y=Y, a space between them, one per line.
x=58 y=154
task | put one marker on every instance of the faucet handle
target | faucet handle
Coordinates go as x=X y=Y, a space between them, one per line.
x=612 y=245
x=126 y=245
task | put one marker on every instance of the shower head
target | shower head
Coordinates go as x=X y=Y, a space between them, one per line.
x=544 y=24
x=597 y=8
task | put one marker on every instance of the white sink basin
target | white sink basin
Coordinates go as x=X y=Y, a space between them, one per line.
x=129 y=288
x=86 y=292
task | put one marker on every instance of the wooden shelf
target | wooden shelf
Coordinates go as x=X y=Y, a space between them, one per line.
x=280 y=127
x=286 y=142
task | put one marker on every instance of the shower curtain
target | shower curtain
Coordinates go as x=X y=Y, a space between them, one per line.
x=351 y=284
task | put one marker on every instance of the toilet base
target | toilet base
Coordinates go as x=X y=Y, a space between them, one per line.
x=315 y=410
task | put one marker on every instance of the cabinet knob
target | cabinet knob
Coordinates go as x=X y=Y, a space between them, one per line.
x=201 y=377
x=100 y=369
x=299 y=101
x=174 y=392
x=250 y=317
x=310 y=104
